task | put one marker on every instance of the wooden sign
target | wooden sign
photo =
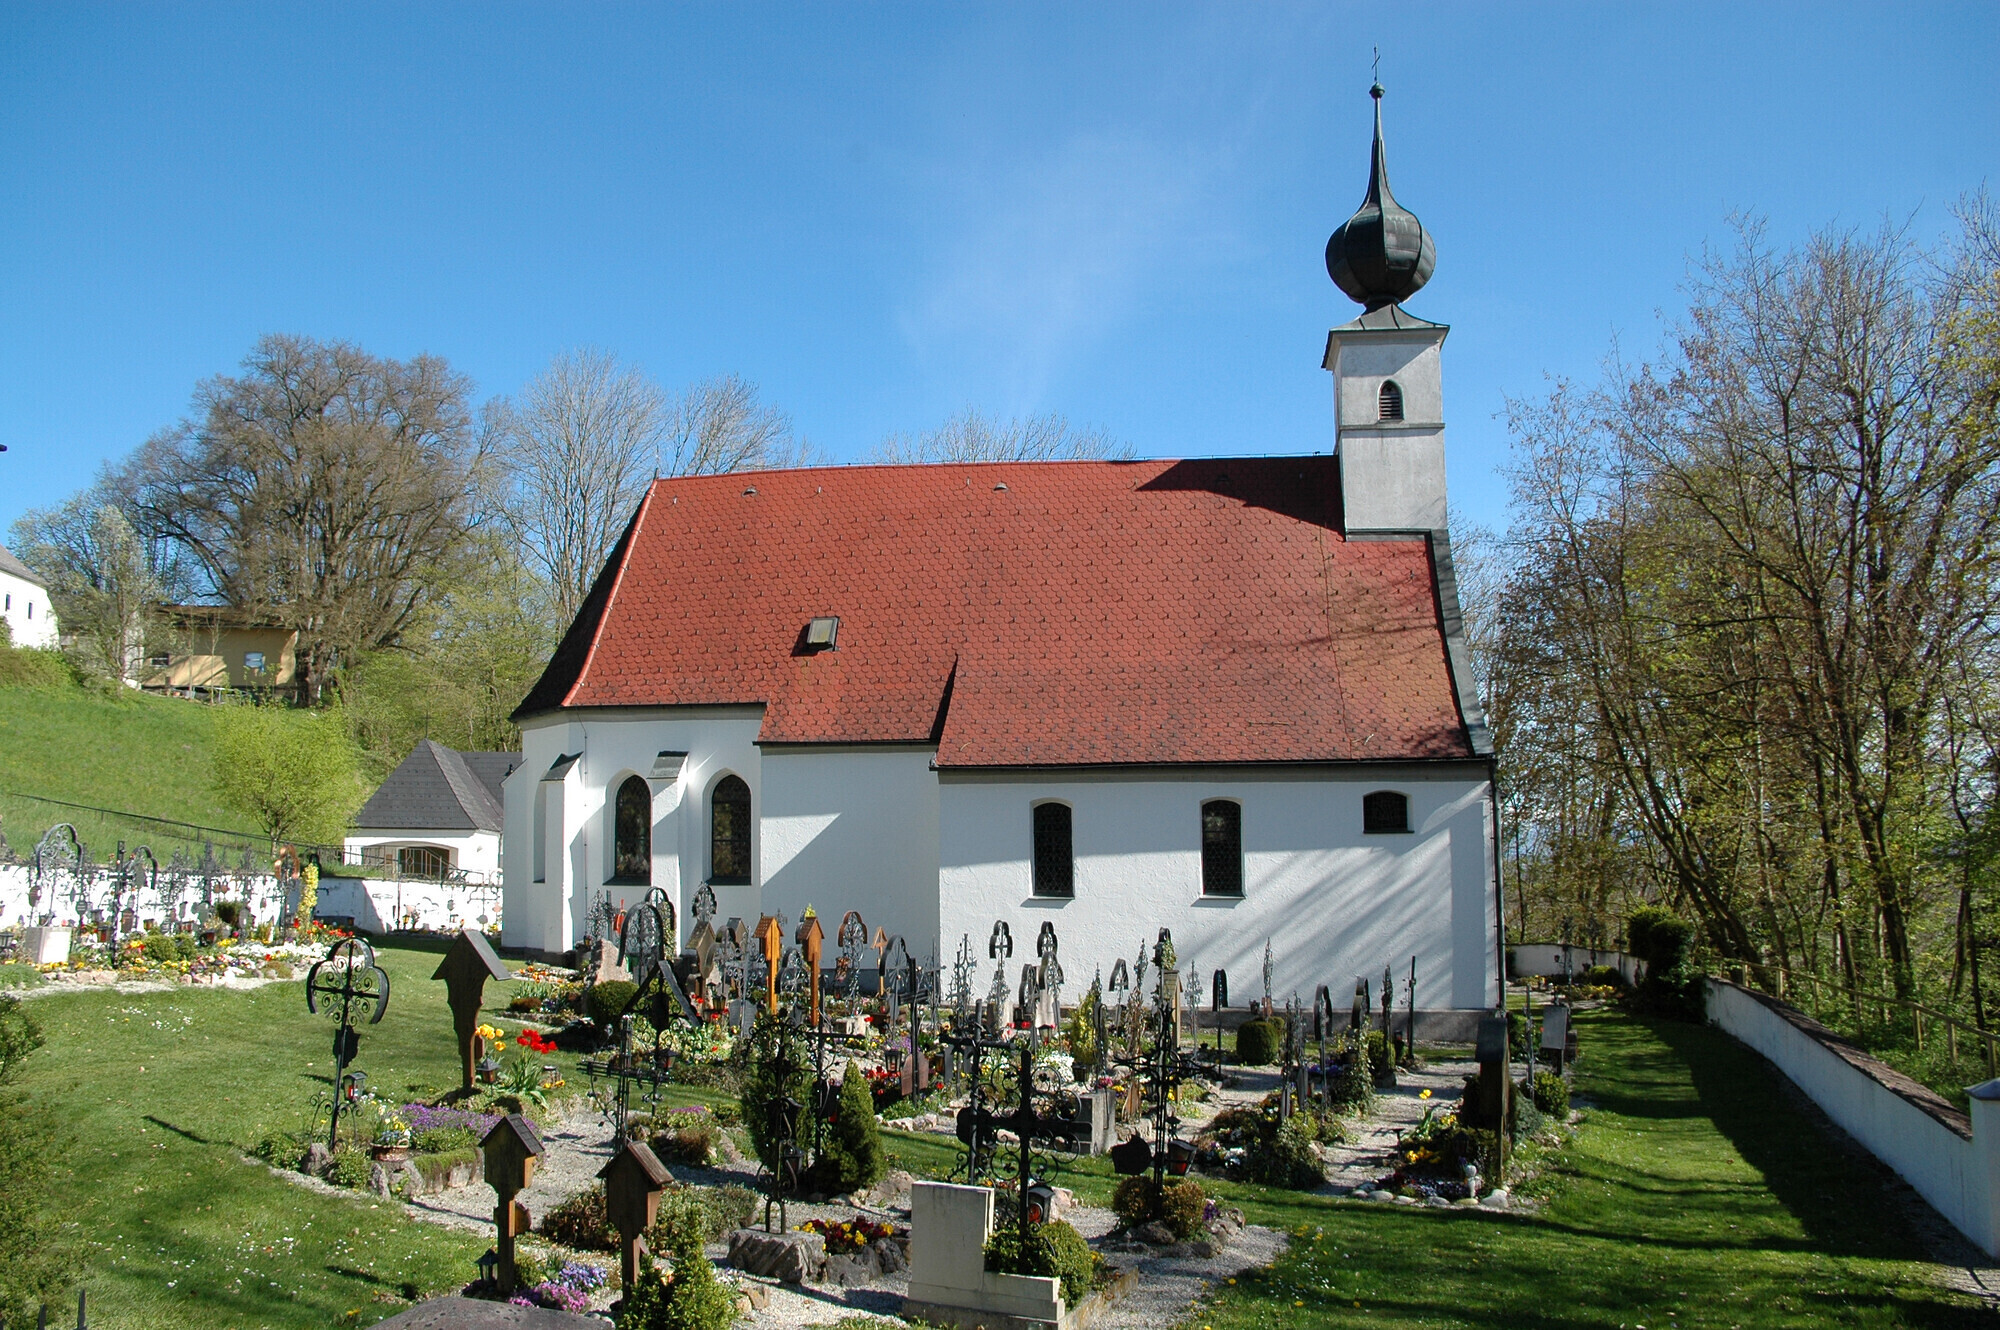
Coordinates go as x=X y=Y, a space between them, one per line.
x=810 y=937
x=465 y=969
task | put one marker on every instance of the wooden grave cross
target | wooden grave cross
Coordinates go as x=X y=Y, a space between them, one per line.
x=771 y=935
x=466 y=967
x=633 y=1181
x=810 y=937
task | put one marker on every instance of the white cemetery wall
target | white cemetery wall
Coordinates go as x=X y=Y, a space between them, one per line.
x=558 y=856
x=1927 y=1142
x=475 y=853
x=1546 y=959
x=1334 y=902
x=378 y=905
x=853 y=829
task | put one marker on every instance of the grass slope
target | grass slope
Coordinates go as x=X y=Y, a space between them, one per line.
x=132 y=752
x=165 y=1090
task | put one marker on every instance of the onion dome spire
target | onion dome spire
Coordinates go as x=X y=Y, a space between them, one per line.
x=1381 y=255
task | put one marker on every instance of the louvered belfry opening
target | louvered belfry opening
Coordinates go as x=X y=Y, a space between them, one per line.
x=1391 y=400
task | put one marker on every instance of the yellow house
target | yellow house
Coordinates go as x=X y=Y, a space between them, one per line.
x=208 y=648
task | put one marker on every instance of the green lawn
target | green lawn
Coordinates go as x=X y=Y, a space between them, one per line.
x=132 y=752
x=1692 y=1197
x=164 y=1090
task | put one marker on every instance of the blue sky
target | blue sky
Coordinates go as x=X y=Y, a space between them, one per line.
x=883 y=214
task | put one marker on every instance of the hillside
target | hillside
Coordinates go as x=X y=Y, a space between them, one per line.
x=132 y=752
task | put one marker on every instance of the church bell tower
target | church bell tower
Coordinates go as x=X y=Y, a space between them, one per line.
x=1388 y=389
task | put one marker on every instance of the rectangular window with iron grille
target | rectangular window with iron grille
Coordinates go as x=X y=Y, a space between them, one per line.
x=1222 y=848
x=1055 y=863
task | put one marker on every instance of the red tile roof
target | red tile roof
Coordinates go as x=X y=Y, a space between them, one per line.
x=1027 y=614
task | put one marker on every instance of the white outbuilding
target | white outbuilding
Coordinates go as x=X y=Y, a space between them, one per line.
x=24 y=602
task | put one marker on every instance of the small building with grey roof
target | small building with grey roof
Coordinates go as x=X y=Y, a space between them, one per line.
x=438 y=815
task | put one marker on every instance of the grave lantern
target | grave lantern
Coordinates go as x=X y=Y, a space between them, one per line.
x=511 y=1149
x=465 y=969
x=633 y=1181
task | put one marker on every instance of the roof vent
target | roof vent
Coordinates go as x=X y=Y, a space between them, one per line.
x=1001 y=486
x=821 y=632
x=750 y=490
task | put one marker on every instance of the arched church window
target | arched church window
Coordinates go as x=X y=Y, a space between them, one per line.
x=1391 y=400
x=729 y=833
x=1055 y=862
x=1222 y=848
x=1385 y=811
x=632 y=832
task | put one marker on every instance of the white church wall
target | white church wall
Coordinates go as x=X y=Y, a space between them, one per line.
x=576 y=842
x=1335 y=903
x=853 y=829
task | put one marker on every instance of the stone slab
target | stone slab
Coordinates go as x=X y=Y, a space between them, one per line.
x=475 y=1314
x=949 y=1224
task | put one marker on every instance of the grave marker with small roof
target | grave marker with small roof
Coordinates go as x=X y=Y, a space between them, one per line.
x=512 y=1148
x=466 y=967
x=633 y=1181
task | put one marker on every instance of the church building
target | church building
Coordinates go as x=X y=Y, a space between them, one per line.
x=1226 y=696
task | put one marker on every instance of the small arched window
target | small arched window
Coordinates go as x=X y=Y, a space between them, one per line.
x=632 y=833
x=1055 y=862
x=1391 y=400
x=729 y=833
x=1222 y=848
x=1385 y=811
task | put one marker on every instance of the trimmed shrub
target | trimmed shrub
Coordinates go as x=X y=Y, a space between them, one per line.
x=1183 y=1207
x=1135 y=1201
x=1604 y=976
x=1051 y=1249
x=850 y=1154
x=604 y=1002
x=680 y=1292
x=762 y=1089
x=1381 y=1059
x=1259 y=1042
x=351 y=1168
x=1673 y=984
x=1550 y=1094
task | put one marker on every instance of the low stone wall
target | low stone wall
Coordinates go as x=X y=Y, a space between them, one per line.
x=1952 y=1159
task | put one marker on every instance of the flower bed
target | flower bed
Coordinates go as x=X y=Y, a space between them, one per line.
x=850 y=1236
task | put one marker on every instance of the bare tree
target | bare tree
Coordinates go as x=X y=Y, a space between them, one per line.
x=323 y=489
x=576 y=453
x=587 y=436
x=103 y=577
x=971 y=437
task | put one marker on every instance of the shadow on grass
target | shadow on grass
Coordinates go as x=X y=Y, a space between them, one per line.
x=1835 y=1198
x=164 y=1125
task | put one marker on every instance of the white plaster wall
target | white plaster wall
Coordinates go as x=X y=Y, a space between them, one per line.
x=1334 y=903
x=1946 y=1169
x=377 y=905
x=552 y=915
x=1362 y=361
x=853 y=829
x=1546 y=959
x=1392 y=475
x=27 y=612
x=475 y=852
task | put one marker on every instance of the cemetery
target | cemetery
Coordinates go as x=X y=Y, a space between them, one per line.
x=720 y=1122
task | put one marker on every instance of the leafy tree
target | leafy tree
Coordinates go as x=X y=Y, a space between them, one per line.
x=320 y=489
x=104 y=577
x=294 y=773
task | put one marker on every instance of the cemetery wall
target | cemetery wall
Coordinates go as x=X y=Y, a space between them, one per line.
x=1334 y=902
x=1911 y=1129
x=1546 y=958
x=374 y=905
